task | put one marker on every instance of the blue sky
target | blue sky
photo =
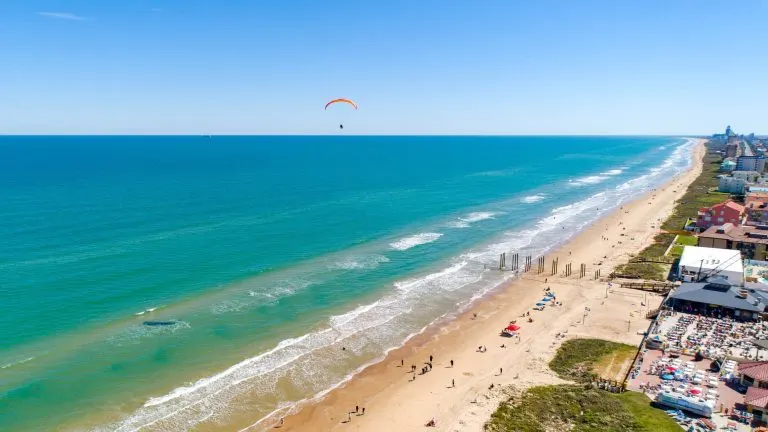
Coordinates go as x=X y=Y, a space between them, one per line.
x=415 y=66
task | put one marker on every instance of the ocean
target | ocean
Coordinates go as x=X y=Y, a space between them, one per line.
x=169 y=283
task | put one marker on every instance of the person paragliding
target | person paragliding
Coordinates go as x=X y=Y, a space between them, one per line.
x=343 y=101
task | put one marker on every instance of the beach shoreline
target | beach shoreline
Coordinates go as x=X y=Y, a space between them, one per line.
x=393 y=398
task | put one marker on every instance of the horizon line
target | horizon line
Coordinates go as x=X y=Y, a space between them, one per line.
x=352 y=135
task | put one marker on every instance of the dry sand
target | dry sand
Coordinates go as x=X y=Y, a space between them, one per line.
x=394 y=401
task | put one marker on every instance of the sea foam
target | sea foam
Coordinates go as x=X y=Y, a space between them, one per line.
x=589 y=180
x=468 y=220
x=533 y=198
x=366 y=262
x=415 y=240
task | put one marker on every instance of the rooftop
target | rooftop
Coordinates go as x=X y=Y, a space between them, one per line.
x=740 y=233
x=733 y=297
x=730 y=204
x=711 y=258
x=756 y=397
x=756 y=370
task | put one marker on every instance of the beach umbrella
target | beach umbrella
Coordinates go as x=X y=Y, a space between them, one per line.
x=546 y=299
x=513 y=327
x=540 y=304
x=667 y=377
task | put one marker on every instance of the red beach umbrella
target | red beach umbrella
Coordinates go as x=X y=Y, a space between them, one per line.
x=513 y=327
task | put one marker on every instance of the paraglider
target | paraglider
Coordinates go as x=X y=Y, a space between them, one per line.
x=343 y=101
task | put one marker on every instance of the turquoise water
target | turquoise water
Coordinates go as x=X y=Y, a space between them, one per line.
x=266 y=254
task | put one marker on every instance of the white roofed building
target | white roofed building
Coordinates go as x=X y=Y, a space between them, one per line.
x=701 y=262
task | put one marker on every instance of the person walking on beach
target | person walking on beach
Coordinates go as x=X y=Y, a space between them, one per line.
x=500 y=371
x=430 y=358
x=357 y=409
x=282 y=420
x=451 y=363
x=453 y=383
x=363 y=410
x=401 y=362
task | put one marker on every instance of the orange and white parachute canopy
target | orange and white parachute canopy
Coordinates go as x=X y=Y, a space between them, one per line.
x=341 y=100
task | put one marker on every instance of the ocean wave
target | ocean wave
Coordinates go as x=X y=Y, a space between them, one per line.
x=533 y=198
x=136 y=333
x=415 y=240
x=468 y=220
x=146 y=311
x=589 y=180
x=367 y=262
x=281 y=289
x=16 y=363
x=379 y=326
x=408 y=285
x=613 y=172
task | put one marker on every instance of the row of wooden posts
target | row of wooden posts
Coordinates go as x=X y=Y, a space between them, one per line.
x=540 y=267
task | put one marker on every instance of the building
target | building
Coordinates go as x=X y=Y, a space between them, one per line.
x=754 y=374
x=757 y=212
x=729 y=131
x=718 y=299
x=697 y=263
x=718 y=214
x=731 y=185
x=750 y=241
x=731 y=150
x=750 y=163
x=756 y=401
x=727 y=165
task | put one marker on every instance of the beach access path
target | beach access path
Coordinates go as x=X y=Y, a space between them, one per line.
x=393 y=400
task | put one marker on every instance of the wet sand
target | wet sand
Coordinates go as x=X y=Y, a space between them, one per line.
x=394 y=400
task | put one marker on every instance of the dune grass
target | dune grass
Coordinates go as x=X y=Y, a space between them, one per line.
x=580 y=407
x=575 y=360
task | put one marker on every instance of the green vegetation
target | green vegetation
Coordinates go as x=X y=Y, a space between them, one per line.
x=579 y=409
x=699 y=194
x=680 y=243
x=687 y=240
x=576 y=357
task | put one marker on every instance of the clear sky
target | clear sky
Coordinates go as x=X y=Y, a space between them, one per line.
x=414 y=66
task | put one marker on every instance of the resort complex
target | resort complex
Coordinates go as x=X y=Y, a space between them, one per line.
x=704 y=358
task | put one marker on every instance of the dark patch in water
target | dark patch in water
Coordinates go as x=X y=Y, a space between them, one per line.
x=159 y=323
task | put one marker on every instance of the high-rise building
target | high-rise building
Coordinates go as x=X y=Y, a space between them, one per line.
x=729 y=131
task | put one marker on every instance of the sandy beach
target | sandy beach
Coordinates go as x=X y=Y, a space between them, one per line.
x=458 y=396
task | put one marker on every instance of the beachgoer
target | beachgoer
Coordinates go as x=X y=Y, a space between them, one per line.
x=402 y=363
x=500 y=371
x=453 y=383
x=282 y=420
x=349 y=417
x=430 y=358
x=451 y=363
x=357 y=409
x=341 y=126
